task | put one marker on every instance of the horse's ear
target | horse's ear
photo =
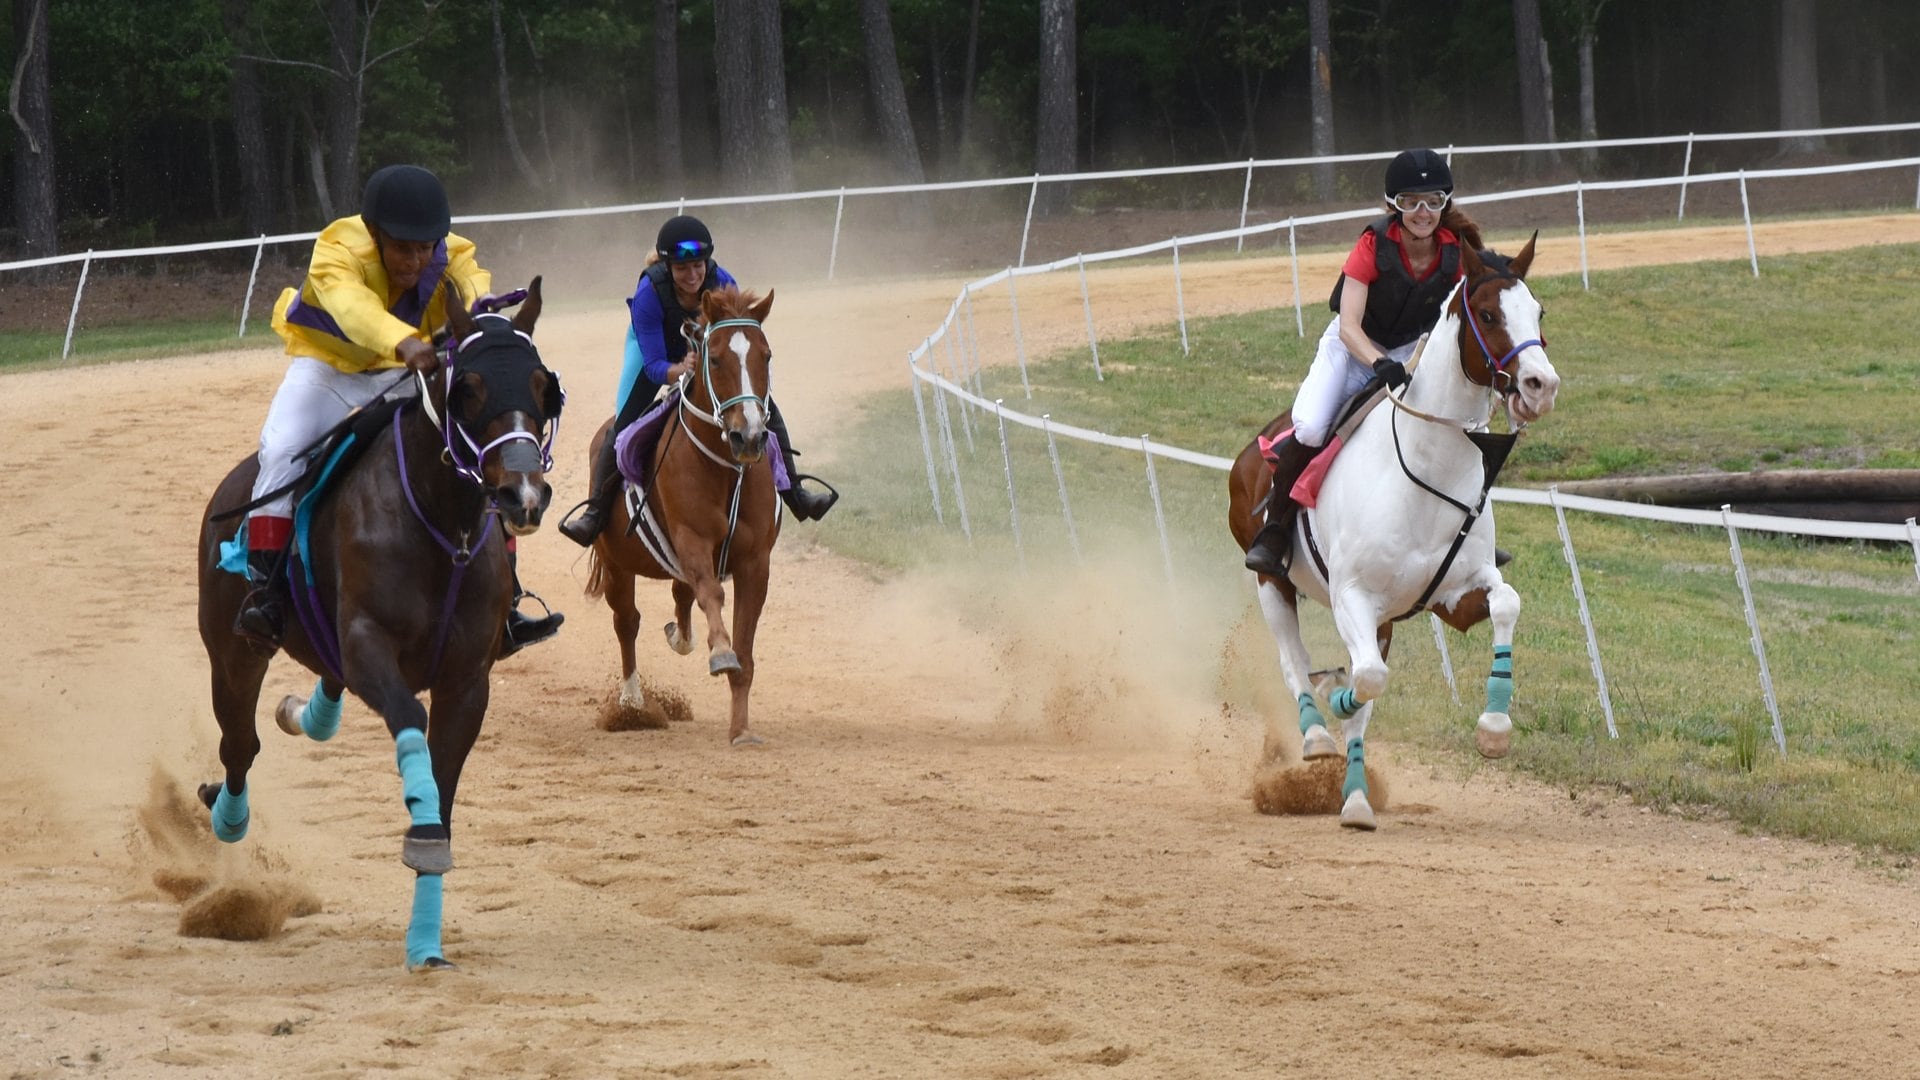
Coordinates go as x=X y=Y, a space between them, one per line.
x=529 y=312
x=1470 y=261
x=759 y=310
x=1524 y=260
x=709 y=304
x=459 y=320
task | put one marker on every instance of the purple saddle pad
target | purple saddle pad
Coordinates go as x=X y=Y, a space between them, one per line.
x=633 y=447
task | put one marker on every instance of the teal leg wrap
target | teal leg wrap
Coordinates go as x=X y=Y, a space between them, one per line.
x=1500 y=682
x=321 y=717
x=416 y=777
x=1342 y=703
x=230 y=815
x=1310 y=714
x=423 y=933
x=1356 y=769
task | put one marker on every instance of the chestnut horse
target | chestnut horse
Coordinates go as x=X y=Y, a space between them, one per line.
x=401 y=584
x=1401 y=523
x=710 y=512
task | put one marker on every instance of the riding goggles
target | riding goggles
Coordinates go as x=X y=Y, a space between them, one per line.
x=1408 y=201
x=687 y=251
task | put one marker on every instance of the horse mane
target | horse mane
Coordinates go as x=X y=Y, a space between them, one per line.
x=1496 y=262
x=733 y=301
x=1462 y=226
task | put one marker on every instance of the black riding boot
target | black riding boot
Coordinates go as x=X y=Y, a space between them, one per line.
x=806 y=505
x=1274 y=542
x=263 y=614
x=522 y=631
x=590 y=517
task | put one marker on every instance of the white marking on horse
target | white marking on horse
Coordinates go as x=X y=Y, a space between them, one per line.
x=743 y=348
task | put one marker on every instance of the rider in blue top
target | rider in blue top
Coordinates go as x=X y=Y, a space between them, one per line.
x=678 y=272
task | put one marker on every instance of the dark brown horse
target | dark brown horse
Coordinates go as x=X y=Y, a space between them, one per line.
x=711 y=511
x=403 y=585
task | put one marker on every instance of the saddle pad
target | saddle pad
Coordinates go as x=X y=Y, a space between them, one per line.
x=633 y=447
x=1306 y=490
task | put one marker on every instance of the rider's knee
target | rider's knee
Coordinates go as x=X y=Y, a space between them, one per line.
x=1310 y=431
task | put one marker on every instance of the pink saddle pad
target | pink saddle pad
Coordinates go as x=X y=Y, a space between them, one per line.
x=1306 y=490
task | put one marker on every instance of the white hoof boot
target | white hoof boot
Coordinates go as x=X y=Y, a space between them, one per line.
x=1358 y=813
x=1317 y=743
x=1494 y=734
x=631 y=694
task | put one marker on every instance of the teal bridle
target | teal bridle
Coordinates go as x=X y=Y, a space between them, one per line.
x=706 y=373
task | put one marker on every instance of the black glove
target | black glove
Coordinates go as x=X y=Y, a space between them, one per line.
x=1391 y=371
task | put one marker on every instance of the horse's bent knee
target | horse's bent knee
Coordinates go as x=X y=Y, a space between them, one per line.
x=1503 y=605
x=1369 y=681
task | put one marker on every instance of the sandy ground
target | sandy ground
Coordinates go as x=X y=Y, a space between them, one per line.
x=1013 y=845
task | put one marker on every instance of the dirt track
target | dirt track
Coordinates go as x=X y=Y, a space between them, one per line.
x=970 y=850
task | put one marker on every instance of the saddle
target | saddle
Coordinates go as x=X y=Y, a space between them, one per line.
x=633 y=447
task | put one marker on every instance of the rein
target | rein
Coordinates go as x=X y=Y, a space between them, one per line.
x=460 y=557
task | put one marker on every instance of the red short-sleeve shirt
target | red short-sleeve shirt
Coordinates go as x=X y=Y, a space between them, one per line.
x=1360 y=262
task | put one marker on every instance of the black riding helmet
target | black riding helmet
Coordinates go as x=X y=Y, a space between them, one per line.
x=1418 y=170
x=684 y=239
x=407 y=203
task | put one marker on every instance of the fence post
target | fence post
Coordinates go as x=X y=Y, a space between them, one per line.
x=1916 y=190
x=1019 y=343
x=1580 y=208
x=833 y=255
x=74 y=315
x=1586 y=619
x=1686 y=168
x=1180 y=301
x=1293 y=257
x=1086 y=304
x=1446 y=661
x=1013 y=506
x=1066 y=508
x=1913 y=538
x=960 y=381
x=1246 y=193
x=1159 y=515
x=945 y=417
x=246 y=302
x=1753 y=255
x=926 y=442
x=1753 y=626
x=1028 y=227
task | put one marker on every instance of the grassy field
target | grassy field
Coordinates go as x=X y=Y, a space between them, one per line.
x=29 y=350
x=1671 y=369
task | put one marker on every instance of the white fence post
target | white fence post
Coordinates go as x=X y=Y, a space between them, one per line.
x=1246 y=193
x=1753 y=254
x=1159 y=515
x=1066 y=508
x=246 y=302
x=1913 y=538
x=1686 y=169
x=1086 y=304
x=1446 y=661
x=1027 y=228
x=926 y=442
x=1586 y=619
x=1180 y=301
x=833 y=254
x=1753 y=627
x=953 y=458
x=1019 y=343
x=1293 y=257
x=1580 y=208
x=74 y=315
x=959 y=380
x=1013 y=505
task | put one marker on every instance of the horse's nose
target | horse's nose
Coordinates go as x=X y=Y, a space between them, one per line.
x=747 y=446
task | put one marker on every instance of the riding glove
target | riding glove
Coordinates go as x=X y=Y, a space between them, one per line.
x=1391 y=371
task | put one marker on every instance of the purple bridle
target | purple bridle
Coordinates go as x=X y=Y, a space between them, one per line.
x=1499 y=367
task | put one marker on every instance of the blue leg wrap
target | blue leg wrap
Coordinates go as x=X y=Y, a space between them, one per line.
x=321 y=717
x=1500 y=682
x=1356 y=769
x=1310 y=714
x=423 y=933
x=416 y=777
x=1342 y=703
x=230 y=815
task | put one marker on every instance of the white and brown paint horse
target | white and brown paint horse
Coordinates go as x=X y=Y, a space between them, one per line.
x=1402 y=523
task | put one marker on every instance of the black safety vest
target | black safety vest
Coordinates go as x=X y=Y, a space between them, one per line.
x=1400 y=309
x=672 y=316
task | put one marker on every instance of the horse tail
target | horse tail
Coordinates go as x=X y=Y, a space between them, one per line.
x=597 y=574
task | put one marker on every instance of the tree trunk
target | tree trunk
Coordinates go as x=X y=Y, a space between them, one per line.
x=36 y=209
x=1320 y=51
x=666 y=94
x=1799 y=75
x=889 y=95
x=1536 y=118
x=1589 y=121
x=252 y=149
x=756 y=153
x=1058 y=135
x=967 y=80
x=512 y=135
x=344 y=97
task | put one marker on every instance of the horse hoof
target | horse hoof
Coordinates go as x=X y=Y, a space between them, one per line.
x=748 y=738
x=1317 y=744
x=1358 y=813
x=1494 y=734
x=208 y=793
x=287 y=714
x=722 y=662
x=678 y=642
x=432 y=964
x=427 y=856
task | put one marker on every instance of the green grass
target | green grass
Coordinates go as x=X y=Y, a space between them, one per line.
x=28 y=350
x=1670 y=369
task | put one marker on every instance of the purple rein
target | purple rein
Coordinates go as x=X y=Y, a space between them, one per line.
x=1499 y=366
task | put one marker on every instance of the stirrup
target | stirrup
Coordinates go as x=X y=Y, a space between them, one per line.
x=522 y=631
x=582 y=523
x=261 y=620
x=806 y=505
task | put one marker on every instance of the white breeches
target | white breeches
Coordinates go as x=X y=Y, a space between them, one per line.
x=312 y=398
x=1336 y=375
